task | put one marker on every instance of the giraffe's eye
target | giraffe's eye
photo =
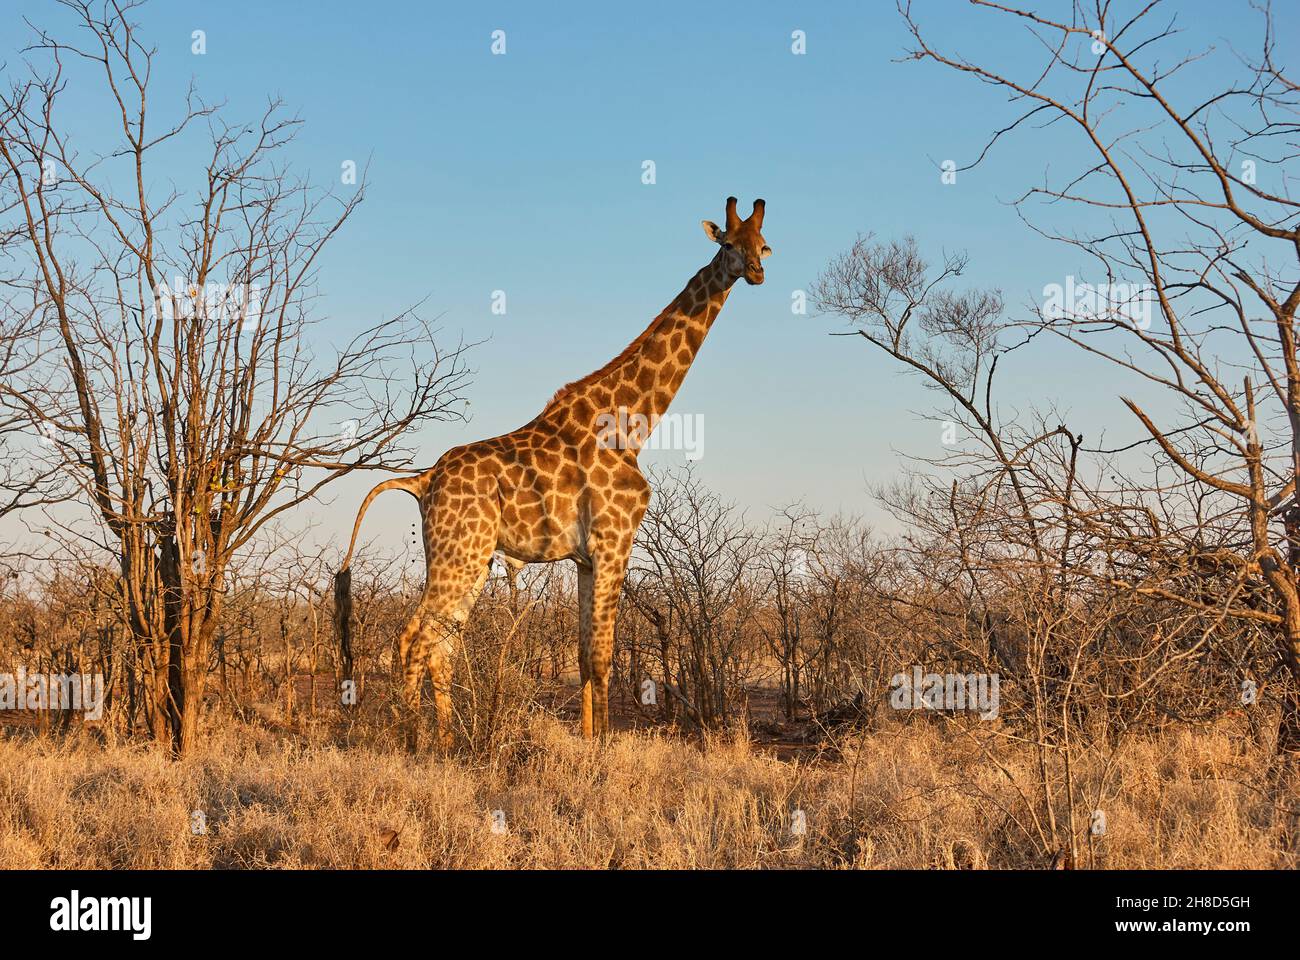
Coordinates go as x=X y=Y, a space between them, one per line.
x=765 y=252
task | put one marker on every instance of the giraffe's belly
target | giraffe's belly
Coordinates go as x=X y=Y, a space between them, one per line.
x=536 y=552
x=540 y=526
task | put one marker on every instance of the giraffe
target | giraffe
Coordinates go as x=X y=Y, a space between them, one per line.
x=565 y=486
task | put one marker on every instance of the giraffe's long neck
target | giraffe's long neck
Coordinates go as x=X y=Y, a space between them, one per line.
x=677 y=335
x=659 y=359
x=637 y=386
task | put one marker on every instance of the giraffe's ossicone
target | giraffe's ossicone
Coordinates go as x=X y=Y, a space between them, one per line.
x=561 y=487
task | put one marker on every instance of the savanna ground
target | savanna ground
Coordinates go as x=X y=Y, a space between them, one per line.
x=911 y=793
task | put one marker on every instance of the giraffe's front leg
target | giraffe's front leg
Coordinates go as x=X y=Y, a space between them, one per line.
x=610 y=546
x=607 y=585
x=585 y=587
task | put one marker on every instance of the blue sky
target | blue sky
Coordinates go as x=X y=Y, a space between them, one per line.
x=522 y=173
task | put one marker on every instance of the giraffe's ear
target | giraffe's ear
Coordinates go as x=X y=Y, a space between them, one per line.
x=713 y=231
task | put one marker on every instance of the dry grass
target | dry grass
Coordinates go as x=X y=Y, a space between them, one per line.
x=911 y=796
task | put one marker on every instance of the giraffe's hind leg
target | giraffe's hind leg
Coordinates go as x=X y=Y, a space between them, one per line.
x=461 y=523
x=442 y=656
x=432 y=636
x=413 y=641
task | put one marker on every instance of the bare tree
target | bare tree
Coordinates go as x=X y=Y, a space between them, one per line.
x=1185 y=213
x=173 y=365
x=845 y=572
x=696 y=557
x=786 y=564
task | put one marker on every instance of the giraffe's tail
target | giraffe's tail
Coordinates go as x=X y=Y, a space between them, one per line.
x=415 y=486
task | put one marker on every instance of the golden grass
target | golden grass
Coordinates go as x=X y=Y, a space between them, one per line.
x=911 y=796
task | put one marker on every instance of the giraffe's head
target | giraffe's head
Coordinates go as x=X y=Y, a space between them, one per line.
x=743 y=246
